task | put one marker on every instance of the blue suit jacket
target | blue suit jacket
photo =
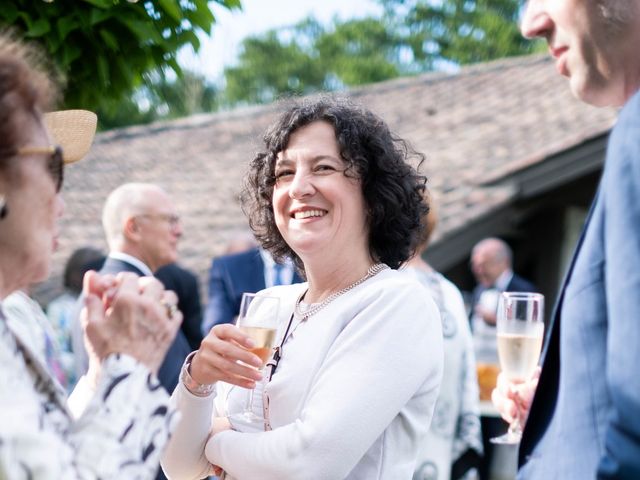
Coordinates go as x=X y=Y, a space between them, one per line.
x=585 y=417
x=230 y=276
x=169 y=372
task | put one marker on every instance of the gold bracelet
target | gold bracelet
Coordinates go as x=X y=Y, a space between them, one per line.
x=197 y=389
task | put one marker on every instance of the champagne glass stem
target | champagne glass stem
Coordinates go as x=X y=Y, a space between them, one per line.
x=249 y=406
x=515 y=429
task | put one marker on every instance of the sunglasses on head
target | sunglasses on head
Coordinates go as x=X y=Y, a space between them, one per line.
x=55 y=161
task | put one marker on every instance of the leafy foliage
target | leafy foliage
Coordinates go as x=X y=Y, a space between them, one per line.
x=308 y=57
x=458 y=31
x=161 y=98
x=412 y=36
x=107 y=48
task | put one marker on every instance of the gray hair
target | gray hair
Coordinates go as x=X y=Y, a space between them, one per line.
x=126 y=201
x=617 y=13
x=501 y=251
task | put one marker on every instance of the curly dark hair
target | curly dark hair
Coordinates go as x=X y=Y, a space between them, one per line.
x=392 y=188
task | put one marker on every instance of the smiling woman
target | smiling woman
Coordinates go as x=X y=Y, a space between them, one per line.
x=353 y=380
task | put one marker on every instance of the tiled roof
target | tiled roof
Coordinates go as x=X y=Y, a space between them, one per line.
x=476 y=125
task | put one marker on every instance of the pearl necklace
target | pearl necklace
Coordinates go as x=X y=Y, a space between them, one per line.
x=304 y=314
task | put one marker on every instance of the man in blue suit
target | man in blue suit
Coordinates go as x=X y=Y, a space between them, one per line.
x=584 y=421
x=232 y=275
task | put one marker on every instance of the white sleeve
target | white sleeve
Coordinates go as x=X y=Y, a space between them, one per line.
x=184 y=459
x=120 y=435
x=382 y=358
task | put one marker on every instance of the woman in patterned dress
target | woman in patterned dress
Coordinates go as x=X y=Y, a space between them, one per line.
x=120 y=417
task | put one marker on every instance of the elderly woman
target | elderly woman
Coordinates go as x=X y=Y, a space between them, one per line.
x=353 y=387
x=125 y=414
x=453 y=447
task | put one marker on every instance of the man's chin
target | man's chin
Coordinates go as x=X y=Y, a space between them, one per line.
x=597 y=94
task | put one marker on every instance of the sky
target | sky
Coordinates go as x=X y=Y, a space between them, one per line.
x=258 y=16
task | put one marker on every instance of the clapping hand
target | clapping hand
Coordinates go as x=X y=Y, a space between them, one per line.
x=130 y=315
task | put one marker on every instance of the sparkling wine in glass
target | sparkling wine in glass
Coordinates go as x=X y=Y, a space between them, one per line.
x=258 y=318
x=520 y=332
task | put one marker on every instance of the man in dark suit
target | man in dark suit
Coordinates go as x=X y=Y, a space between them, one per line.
x=585 y=418
x=232 y=275
x=491 y=264
x=142 y=230
x=185 y=284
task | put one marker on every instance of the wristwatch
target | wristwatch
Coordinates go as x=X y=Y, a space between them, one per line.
x=198 y=389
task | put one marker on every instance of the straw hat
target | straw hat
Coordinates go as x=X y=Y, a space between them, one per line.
x=73 y=130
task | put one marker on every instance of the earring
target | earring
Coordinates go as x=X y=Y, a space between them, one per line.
x=3 y=207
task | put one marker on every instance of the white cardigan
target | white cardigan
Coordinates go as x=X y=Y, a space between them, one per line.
x=352 y=397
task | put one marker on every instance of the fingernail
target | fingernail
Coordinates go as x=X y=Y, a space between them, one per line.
x=249 y=343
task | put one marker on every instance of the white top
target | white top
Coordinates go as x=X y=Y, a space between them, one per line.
x=352 y=397
x=455 y=427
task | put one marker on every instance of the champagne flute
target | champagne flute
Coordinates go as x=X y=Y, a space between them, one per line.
x=258 y=318
x=520 y=332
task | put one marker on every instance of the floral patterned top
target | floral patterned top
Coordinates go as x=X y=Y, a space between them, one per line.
x=119 y=433
x=455 y=428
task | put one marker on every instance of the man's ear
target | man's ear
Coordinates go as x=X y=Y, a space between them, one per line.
x=131 y=230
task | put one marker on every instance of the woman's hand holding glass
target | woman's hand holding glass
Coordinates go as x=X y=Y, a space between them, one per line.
x=224 y=356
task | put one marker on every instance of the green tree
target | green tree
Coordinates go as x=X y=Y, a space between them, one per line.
x=360 y=52
x=412 y=36
x=270 y=66
x=308 y=57
x=161 y=98
x=457 y=31
x=108 y=48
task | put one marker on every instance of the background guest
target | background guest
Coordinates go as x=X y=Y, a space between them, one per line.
x=491 y=264
x=62 y=309
x=232 y=275
x=452 y=448
x=142 y=230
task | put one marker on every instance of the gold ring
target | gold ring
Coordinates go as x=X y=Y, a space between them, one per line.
x=170 y=308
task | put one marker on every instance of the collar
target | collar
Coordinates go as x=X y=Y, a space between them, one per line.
x=139 y=264
x=503 y=281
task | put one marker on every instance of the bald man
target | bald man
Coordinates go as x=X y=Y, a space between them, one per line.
x=142 y=230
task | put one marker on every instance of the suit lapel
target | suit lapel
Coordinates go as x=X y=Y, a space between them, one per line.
x=114 y=266
x=546 y=395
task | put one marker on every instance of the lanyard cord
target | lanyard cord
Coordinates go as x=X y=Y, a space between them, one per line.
x=277 y=355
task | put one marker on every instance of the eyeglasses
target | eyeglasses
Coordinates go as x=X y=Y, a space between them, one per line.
x=171 y=218
x=55 y=163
